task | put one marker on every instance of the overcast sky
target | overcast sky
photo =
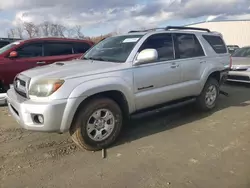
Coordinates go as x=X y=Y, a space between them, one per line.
x=102 y=16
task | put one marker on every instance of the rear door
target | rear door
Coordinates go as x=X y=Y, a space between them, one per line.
x=58 y=51
x=80 y=48
x=192 y=61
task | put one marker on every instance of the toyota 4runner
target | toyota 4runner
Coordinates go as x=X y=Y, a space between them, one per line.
x=122 y=75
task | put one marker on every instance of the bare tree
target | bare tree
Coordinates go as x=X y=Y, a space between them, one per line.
x=11 y=33
x=69 y=32
x=78 y=31
x=57 y=30
x=45 y=29
x=19 y=31
x=30 y=29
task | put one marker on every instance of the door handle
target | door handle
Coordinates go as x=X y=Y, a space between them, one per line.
x=202 y=62
x=40 y=62
x=174 y=65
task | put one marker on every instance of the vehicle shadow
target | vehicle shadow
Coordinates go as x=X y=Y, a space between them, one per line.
x=165 y=119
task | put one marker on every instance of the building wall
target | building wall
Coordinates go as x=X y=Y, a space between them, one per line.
x=234 y=32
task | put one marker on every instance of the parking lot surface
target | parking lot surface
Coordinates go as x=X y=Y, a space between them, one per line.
x=168 y=148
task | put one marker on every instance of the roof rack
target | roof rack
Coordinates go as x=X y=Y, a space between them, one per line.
x=171 y=27
x=147 y=30
x=186 y=28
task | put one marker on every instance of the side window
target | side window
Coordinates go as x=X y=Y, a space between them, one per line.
x=163 y=43
x=57 y=48
x=30 y=50
x=81 y=47
x=217 y=43
x=188 y=46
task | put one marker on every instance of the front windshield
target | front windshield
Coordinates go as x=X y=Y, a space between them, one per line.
x=7 y=47
x=114 y=49
x=242 y=52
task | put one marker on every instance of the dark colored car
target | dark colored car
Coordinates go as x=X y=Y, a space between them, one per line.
x=25 y=54
x=6 y=41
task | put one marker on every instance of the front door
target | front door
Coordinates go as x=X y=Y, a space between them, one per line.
x=55 y=51
x=157 y=82
x=28 y=56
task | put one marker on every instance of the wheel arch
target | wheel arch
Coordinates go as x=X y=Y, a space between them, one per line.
x=117 y=92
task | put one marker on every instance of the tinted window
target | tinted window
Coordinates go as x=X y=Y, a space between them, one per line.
x=55 y=49
x=188 y=46
x=217 y=43
x=81 y=47
x=30 y=50
x=163 y=43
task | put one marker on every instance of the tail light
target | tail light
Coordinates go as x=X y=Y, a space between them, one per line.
x=231 y=62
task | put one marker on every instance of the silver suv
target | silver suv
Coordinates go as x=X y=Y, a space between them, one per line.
x=122 y=75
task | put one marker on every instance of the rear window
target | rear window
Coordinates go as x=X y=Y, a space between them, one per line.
x=216 y=43
x=56 y=49
x=81 y=47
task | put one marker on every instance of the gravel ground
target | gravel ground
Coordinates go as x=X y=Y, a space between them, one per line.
x=168 y=148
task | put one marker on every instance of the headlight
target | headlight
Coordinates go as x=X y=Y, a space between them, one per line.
x=45 y=88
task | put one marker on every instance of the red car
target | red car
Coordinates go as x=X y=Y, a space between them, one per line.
x=25 y=54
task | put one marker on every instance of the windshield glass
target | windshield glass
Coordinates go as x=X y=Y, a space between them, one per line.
x=7 y=47
x=115 y=49
x=242 y=52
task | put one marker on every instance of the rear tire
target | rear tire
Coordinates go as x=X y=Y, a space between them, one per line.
x=97 y=124
x=207 y=100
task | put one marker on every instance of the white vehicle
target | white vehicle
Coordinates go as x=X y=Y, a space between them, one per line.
x=120 y=76
x=240 y=71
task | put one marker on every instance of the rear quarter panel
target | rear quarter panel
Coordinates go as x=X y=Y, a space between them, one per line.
x=214 y=61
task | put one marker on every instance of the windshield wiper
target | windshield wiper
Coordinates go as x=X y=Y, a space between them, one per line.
x=96 y=59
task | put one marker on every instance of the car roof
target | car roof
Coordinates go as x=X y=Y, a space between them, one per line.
x=54 y=39
x=174 y=29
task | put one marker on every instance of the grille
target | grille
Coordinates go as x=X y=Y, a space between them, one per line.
x=21 y=85
x=23 y=94
x=233 y=77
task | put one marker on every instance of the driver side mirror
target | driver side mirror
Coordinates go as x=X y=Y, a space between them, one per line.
x=13 y=54
x=146 y=56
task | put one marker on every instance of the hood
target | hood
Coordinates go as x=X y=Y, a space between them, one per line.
x=71 y=69
x=241 y=61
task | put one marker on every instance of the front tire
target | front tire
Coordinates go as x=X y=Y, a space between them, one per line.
x=207 y=100
x=97 y=125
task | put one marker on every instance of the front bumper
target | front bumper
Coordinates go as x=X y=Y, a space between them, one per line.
x=24 y=111
x=239 y=76
x=3 y=98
